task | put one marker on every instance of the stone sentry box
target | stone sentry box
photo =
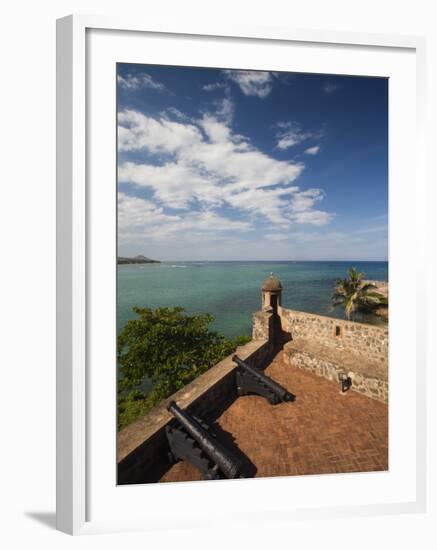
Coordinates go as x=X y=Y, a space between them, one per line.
x=271 y=293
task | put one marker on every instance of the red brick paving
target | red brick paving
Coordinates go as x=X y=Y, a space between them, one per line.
x=322 y=431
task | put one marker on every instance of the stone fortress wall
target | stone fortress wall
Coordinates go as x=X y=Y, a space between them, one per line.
x=322 y=345
x=328 y=347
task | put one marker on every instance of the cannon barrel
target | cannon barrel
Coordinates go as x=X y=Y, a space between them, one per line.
x=227 y=462
x=276 y=388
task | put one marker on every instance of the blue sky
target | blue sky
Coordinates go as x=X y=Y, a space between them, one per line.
x=248 y=165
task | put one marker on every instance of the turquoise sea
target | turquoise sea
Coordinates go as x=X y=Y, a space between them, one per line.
x=230 y=291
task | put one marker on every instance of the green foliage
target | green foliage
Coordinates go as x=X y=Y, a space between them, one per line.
x=131 y=406
x=168 y=347
x=355 y=295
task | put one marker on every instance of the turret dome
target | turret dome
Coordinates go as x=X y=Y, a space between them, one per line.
x=271 y=284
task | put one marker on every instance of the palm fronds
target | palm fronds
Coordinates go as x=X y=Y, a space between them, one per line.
x=353 y=294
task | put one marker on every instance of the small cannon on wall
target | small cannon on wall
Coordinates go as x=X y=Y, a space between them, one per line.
x=251 y=380
x=189 y=439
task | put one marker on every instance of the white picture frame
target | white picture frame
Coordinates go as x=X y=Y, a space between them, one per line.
x=74 y=394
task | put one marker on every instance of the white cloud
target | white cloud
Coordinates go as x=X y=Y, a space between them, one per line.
x=136 y=132
x=203 y=165
x=175 y=184
x=276 y=237
x=304 y=200
x=287 y=140
x=373 y=229
x=329 y=87
x=220 y=156
x=312 y=217
x=134 y=212
x=213 y=86
x=270 y=204
x=145 y=228
x=172 y=112
x=334 y=245
x=253 y=83
x=291 y=133
x=303 y=211
x=143 y=80
x=312 y=150
x=225 y=110
x=140 y=220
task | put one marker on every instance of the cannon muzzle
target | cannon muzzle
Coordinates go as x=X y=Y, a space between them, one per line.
x=226 y=461
x=251 y=380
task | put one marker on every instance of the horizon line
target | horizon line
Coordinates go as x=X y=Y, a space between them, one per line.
x=265 y=261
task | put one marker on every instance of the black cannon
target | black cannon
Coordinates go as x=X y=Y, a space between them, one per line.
x=251 y=380
x=189 y=439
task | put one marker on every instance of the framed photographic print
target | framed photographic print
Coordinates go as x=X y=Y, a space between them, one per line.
x=239 y=250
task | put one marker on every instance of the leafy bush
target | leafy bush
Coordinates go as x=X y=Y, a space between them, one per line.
x=170 y=349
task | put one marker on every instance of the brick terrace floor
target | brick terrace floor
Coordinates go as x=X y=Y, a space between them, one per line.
x=322 y=431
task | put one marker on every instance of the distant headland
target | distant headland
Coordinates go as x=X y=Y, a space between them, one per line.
x=136 y=260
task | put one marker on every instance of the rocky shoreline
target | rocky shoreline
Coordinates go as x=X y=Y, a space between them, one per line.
x=136 y=260
x=381 y=288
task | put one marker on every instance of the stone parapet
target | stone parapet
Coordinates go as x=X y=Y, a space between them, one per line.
x=370 y=386
x=327 y=347
x=142 y=446
x=262 y=325
x=368 y=341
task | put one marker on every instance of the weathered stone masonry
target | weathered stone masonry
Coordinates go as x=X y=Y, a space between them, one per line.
x=327 y=347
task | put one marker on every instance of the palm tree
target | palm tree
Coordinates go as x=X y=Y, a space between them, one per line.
x=354 y=294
